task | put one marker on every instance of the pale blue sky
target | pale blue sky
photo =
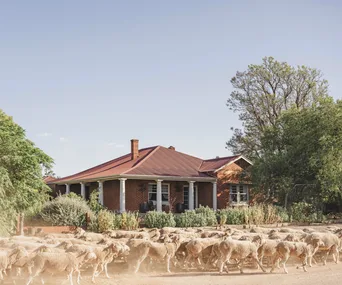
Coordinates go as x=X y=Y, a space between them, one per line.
x=84 y=77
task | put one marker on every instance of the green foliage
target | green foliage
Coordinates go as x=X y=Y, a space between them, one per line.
x=209 y=214
x=305 y=212
x=126 y=221
x=93 y=202
x=302 y=156
x=234 y=216
x=256 y=215
x=21 y=168
x=191 y=219
x=263 y=92
x=66 y=211
x=105 y=220
x=159 y=220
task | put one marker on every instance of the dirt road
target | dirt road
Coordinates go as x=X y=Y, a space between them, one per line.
x=331 y=274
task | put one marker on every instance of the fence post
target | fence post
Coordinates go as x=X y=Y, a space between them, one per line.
x=18 y=225
x=87 y=218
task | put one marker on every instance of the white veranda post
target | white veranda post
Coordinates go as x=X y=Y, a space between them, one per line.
x=159 y=195
x=83 y=190
x=215 y=195
x=67 y=188
x=100 y=192
x=191 y=195
x=122 y=195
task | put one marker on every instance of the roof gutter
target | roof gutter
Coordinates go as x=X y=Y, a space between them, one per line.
x=138 y=177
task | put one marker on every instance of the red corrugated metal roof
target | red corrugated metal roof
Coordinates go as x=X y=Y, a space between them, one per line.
x=152 y=161
x=168 y=162
x=214 y=164
x=48 y=179
x=112 y=167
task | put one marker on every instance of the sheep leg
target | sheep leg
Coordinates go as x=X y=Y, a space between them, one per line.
x=336 y=254
x=304 y=260
x=240 y=265
x=256 y=259
x=168 y=264
x=30 y=280
x=70 y=277
x=285 y=259
x=78 y=276
x=94 y=273
x=106 y=270
x=275 y=261
x=325 y=257
x=140 y=260
x=187 y=261
x=224 y=260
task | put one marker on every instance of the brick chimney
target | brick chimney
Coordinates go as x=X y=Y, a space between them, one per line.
x=134 y=149
x=172 y=147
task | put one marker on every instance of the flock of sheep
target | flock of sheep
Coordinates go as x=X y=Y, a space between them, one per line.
x=29 y=257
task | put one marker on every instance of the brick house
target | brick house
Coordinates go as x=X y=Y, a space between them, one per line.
x=163 y=178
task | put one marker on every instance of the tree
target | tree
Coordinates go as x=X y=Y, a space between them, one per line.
x=301 y=155
x=21 y=165
x=263 y=92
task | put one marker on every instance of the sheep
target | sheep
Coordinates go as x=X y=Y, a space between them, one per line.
x=285 y=249
x=126 y=234
x=195 y=248
x=8 y=258
x=56 y=263
x=102 y=256
x=266 y=247
x=239 y=250
x=158 y=251
x=330 y=244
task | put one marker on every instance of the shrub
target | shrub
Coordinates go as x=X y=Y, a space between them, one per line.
x=126 y=221
x=234 y=216
x=66 y=210
x=8 y=218
x=159 y=220
x=282 y=214
x=306 y=213
x=105 y=220
x=191 y=219
x=93 y=224
x=93 y=202
x=209 y=214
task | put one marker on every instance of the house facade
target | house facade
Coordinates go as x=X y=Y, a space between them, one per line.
x=161 y=178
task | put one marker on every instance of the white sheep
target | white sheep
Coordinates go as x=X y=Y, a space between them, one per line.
x=285 y=249
x=238 y=250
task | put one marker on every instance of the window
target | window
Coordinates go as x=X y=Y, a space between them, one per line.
x=152 y=193
x=186 y=197
x=238 y=194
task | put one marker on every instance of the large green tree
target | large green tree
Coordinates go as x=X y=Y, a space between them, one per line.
x=263 y=92
x=21 y=167
x=301 y=155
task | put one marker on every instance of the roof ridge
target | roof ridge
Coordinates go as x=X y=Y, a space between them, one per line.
x=224 y=157
x=143 y=160
x=183 y=153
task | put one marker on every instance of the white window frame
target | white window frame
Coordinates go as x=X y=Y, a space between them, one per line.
x=241 y=190
x=164 y=203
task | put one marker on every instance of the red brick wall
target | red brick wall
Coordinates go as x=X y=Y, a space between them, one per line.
x=226 y=176
x=205 y=194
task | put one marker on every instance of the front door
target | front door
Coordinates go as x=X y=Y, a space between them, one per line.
x=186 y=197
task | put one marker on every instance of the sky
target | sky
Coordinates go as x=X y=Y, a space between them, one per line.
x=85 y=77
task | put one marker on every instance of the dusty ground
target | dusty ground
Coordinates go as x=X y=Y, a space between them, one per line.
x=331 y=274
